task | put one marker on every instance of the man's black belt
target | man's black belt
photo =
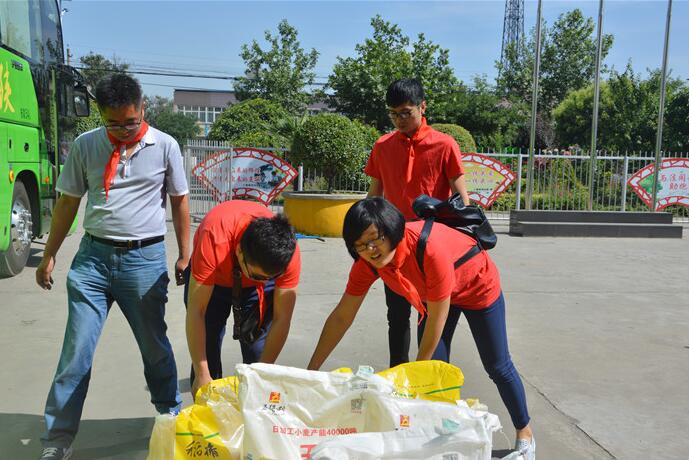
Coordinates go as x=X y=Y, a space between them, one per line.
x=129 y=244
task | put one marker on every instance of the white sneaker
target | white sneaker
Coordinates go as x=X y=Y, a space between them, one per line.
x=56 y=453
x=526 y=448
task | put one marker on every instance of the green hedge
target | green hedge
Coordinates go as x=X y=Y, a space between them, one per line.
x=462 y=136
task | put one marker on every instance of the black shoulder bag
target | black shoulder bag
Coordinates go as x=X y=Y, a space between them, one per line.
x=247 y=328
x=468 y=219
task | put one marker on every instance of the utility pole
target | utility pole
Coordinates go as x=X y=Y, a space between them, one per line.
x=534 y=110
x=661 y=108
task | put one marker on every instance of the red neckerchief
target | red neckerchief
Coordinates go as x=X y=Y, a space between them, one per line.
x=111 y=166
x=393 y=271
x=423 y=131
x=242 y=224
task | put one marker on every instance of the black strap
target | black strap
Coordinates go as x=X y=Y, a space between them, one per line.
x=468 y=255
x=423 y=239
x=236 y=297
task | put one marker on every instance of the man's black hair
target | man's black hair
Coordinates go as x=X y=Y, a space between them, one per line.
x=406 y=90
x=118 y=90
x=269 y=243
x=377 y=211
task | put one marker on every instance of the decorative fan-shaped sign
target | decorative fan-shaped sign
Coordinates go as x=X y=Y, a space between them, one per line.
x=485 y=177
x=673 y=183
x=251 y=173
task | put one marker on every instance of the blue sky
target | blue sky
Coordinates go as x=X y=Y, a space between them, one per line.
x=206 y=37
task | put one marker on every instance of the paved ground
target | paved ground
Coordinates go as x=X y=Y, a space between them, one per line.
x=599 y=331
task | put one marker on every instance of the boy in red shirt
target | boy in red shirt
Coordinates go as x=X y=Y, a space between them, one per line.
x=414 y=160
x=245 y=260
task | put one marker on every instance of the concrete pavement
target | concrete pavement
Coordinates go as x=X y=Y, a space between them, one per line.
x=598 y=328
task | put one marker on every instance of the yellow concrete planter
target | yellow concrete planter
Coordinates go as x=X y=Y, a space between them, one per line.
x=319 y=213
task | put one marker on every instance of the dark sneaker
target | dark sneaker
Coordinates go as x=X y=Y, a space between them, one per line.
x=56 y=453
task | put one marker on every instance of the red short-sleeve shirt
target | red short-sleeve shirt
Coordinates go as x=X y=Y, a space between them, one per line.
x=217 y=238
x=437 y=159
x=474 y=285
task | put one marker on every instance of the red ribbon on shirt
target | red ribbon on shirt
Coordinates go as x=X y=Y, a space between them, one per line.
x=111 y=165
x=423 y=131
x=392 y=269
x=242 y=224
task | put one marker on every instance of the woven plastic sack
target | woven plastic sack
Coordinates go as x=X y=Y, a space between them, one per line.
x=431 y=380
x=450 y=441
x=212 y=428
x=288 y=411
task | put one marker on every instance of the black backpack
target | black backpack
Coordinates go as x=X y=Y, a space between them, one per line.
x=468 y=219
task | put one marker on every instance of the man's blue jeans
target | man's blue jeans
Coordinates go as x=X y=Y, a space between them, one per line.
x=137 y=280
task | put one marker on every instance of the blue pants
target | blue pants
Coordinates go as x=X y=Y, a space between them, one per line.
x=137 y=280
x=218 y=311
x=490 y=335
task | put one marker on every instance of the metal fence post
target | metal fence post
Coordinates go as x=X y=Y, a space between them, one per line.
x=300 y=180
x=231 y=170
x=519 y=181
x=624 y=181
x=596 y=93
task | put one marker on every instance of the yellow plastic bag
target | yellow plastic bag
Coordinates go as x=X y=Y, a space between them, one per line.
x=212 y=428
x=430 y=380
x=220 y=390
x=197 y=435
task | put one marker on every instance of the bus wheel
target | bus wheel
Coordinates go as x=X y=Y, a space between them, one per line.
x=13 y=260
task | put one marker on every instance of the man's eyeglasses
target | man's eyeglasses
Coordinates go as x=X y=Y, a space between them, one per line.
x=371 y=245
x=403 y=115
x=127 y=127
x=254 y=276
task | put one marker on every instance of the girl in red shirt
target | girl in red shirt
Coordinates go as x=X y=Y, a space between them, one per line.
x=384 y=246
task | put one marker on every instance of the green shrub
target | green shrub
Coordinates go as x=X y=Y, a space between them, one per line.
x=462 y=136
x=260 y=139
x=332 y=144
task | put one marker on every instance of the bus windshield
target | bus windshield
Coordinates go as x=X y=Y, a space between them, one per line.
x=33 y=30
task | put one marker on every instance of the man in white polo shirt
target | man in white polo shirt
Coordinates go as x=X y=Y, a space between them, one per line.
x=128 y=170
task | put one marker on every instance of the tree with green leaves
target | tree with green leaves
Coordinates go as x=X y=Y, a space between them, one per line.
x=628 y=115
x=249 y=122
x=95 y=66
x=676 y=130
x=359 y=83
x=494 y=121
x=159 y=113
x=568 y=61
x=282 y=73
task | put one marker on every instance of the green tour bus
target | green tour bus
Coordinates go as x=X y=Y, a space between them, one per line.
x=40 y=98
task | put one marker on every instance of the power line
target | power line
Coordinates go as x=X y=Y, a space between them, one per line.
x=176 y=74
